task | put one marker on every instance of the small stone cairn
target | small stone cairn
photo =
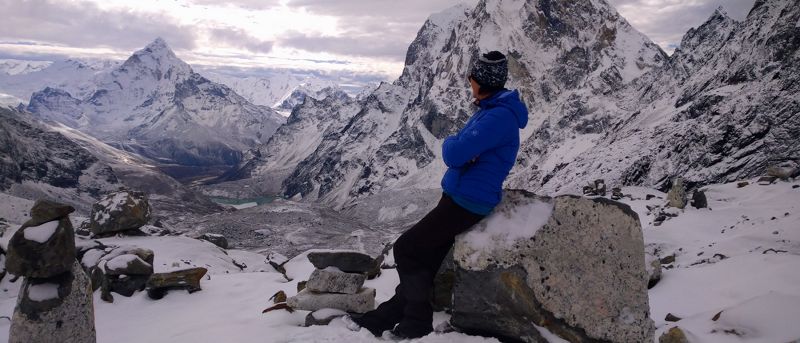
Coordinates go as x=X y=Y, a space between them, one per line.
x=337 y=283
x=55 y=300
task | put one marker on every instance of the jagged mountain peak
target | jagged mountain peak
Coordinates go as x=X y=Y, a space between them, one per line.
x=158 y=58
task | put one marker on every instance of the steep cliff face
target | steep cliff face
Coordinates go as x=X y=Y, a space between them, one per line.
x=724 y=107
x=156 y=105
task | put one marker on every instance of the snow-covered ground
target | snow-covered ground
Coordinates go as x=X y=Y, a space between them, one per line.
x=754 y=286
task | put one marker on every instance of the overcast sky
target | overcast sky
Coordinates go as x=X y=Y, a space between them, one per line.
x=357 y=36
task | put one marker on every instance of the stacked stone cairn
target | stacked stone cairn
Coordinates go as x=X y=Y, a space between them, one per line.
x=126 y=270
x=55 y=300
x=335 y=287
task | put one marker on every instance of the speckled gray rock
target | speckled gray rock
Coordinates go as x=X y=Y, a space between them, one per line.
x=673 y=335
x=360 y=302
x=55 y=310
x=43 y=250
x=120 y=211
x=332 y=280
x=128 y=264
x=573 y=265
x=677 y=194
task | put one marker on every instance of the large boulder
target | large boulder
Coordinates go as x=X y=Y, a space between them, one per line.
x=120 y=211
x=55 y=310
x=573 y=265
x=42 y=251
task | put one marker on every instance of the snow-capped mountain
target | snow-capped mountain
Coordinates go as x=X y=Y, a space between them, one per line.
x=264 y=91
x=723 y=108
x=20 y=67
x=156 y=105
x=317 y=90
x=605 y=102
x=562 y=55
x=22 y=78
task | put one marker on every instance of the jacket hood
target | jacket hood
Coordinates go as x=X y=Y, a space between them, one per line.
x=510 y=100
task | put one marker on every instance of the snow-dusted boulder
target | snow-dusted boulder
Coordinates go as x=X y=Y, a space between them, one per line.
x=570 y=264
x=45 y=245
x=333 y=280
x=120 y=211
x=55 y=310
x=360 y=302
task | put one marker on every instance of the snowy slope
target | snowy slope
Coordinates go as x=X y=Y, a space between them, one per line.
x=724 y=107
x=156 y=105
x=754 y=285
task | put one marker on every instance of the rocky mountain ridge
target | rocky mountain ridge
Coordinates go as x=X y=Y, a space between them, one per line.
x=154 y=104
x=563 y=57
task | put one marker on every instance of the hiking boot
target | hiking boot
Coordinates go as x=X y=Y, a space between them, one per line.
x=373 y=324
x=408 y=329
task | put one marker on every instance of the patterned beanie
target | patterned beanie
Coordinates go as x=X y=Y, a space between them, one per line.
x=490 y=71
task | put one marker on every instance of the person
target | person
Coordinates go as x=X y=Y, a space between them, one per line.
x=479 y=158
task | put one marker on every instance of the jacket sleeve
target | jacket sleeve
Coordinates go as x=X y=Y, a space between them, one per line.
x=489 y=132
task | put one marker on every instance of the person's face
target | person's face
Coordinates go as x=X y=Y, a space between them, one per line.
x=476 y=89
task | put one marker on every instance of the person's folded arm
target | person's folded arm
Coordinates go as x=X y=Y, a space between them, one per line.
x=487 y=133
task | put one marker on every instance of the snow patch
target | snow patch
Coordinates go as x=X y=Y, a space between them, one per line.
x=42 y=233
x=122 y=261
x=506 y=227
x=43 y=291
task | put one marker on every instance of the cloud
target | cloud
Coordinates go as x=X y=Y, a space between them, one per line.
x=248 y=4
x=666 y=21
x=380 y=29
x=365 y=46
x=238 y=38
x=85 y=25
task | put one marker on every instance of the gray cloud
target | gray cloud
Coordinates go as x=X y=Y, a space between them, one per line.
x=238 y=38
x=666 y=22
x=84 y=25
x=376 y=28
x=362 y=45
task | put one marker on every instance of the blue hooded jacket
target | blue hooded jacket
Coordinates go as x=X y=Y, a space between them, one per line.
x=482 y=154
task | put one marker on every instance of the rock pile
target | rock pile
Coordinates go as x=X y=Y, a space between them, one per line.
x=598 y=187
x=55 y=301
x=122 y=211
x=337 y=283
x=573 y=265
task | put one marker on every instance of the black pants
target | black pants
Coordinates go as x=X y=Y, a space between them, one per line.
x=419 y=253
